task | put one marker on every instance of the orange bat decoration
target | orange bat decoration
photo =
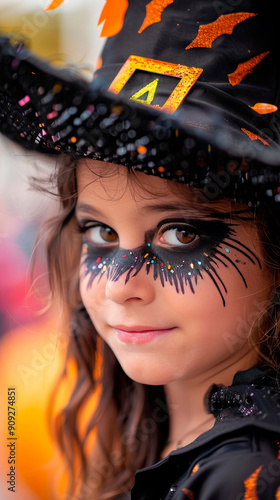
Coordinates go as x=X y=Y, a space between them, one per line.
x=263 y=108
x=113 y=16
x=54 y=4
x=154 y=9
x=251 y=485
x=225 y=24
x=254 y=137
x=244 y=68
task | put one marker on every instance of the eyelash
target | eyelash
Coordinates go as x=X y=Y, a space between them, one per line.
x=180 y=227
x=85 y=229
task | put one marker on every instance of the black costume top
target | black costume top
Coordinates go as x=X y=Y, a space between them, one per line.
x=238 y=459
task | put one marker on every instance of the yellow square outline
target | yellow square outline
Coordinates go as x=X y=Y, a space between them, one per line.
x=188 y=76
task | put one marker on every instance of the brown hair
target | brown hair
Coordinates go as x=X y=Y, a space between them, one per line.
x=128 y=421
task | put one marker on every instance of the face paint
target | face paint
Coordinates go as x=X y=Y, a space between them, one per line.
x=177 y=251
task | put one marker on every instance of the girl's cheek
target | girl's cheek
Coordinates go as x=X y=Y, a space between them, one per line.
x=92 y=294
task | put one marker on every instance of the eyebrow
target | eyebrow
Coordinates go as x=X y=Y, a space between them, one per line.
x=168 y=207
x=84 y=207
x=162 y=207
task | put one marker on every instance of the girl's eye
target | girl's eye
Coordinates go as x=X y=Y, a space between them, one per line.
x=177 y=236
x=99 y=235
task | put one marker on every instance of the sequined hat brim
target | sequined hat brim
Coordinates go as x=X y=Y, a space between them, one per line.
x=53 y=111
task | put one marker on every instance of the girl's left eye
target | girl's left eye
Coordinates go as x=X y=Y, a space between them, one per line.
x=177 y=236
x=100 y=235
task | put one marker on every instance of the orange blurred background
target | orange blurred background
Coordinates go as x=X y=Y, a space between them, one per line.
x=32 y=345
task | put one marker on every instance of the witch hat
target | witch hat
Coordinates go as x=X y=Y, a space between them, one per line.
x=188 y=91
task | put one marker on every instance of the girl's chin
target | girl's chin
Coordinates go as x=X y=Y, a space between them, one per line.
x=148 y=380
x=147 y=376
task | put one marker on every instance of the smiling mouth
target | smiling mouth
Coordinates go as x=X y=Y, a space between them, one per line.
x=140 y=334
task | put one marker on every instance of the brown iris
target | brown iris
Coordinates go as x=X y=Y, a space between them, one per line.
x=108 y=234
x=100 y=235
x=185 y=236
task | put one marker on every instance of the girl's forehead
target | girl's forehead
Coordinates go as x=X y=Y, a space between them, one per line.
x=99 y=182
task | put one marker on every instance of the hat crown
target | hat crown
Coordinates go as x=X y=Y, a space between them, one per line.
x=233 y=47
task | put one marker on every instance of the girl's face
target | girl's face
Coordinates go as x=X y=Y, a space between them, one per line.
x=171 y=284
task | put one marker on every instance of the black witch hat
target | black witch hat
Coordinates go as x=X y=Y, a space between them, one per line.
x=188 y=91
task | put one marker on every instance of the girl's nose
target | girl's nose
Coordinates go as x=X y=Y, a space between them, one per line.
x=138 y=288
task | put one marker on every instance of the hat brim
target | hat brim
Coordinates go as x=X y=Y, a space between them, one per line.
x=50 y=110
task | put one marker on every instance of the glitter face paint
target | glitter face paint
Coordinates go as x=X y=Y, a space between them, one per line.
x=205 y=246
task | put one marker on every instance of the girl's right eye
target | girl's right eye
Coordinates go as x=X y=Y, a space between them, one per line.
x=100 y=235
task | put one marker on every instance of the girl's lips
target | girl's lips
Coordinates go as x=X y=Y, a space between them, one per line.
x=140 y=335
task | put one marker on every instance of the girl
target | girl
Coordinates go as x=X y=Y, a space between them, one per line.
x=166 y=251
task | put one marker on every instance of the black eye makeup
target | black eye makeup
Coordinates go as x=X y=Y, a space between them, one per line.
x=178 y=251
